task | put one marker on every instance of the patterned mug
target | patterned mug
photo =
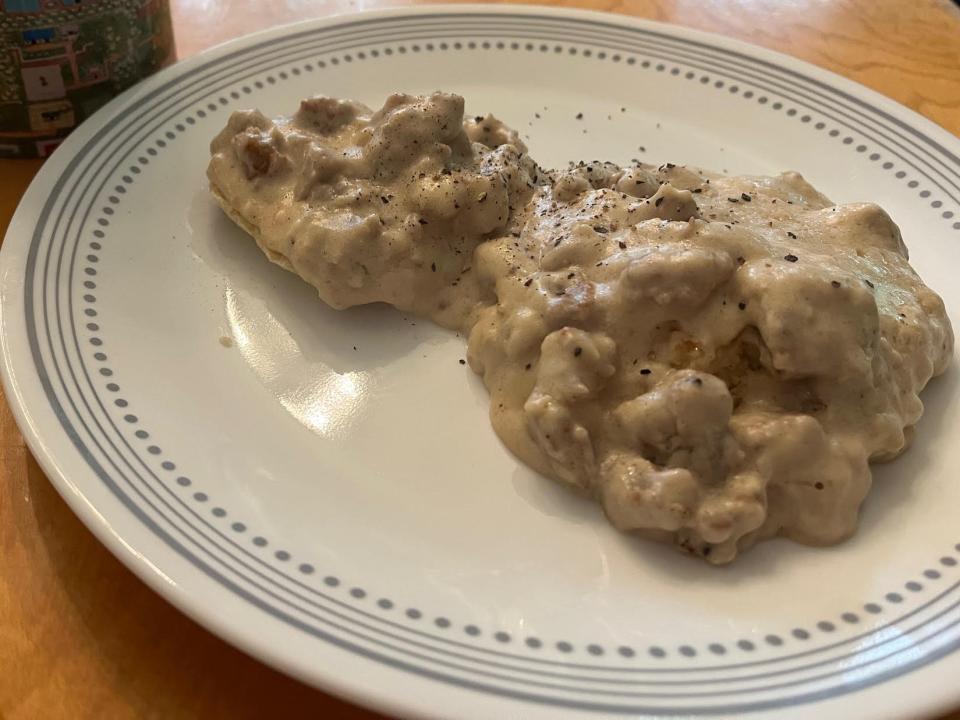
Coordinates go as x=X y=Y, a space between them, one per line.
x=60 y=60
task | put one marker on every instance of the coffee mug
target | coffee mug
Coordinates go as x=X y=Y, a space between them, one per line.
x=60 y=60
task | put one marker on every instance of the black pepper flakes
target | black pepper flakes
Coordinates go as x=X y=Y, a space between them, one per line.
x=733 y=200
x=462 y=361
x=742 y=305
x=527 y=366
x=577 y=351
x=600 y=229
x=790 y=258
x=818 y=485
x=745 y=197
x=433 y=267
x=697 y=381
x=869 y=284
x=658 y=202
x=528 y=283
x=741 y=260
x=835 y=283
x=791 y=235
x=622 y=245
x=645 y=371
x=580 y=116
x=422 y=221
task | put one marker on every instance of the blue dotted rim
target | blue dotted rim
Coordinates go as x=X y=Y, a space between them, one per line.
x=284 y=556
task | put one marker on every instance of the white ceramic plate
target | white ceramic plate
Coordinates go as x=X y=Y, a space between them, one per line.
x=327 y=493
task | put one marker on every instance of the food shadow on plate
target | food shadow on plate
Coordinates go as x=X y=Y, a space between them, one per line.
x=553 y=499
x=357 y=339
x=896 y=482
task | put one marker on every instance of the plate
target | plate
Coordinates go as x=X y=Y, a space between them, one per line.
x=323 y=489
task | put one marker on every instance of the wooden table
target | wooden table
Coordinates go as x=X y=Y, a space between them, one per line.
x=81 y=637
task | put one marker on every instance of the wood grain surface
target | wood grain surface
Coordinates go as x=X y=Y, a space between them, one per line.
x=81 y=637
